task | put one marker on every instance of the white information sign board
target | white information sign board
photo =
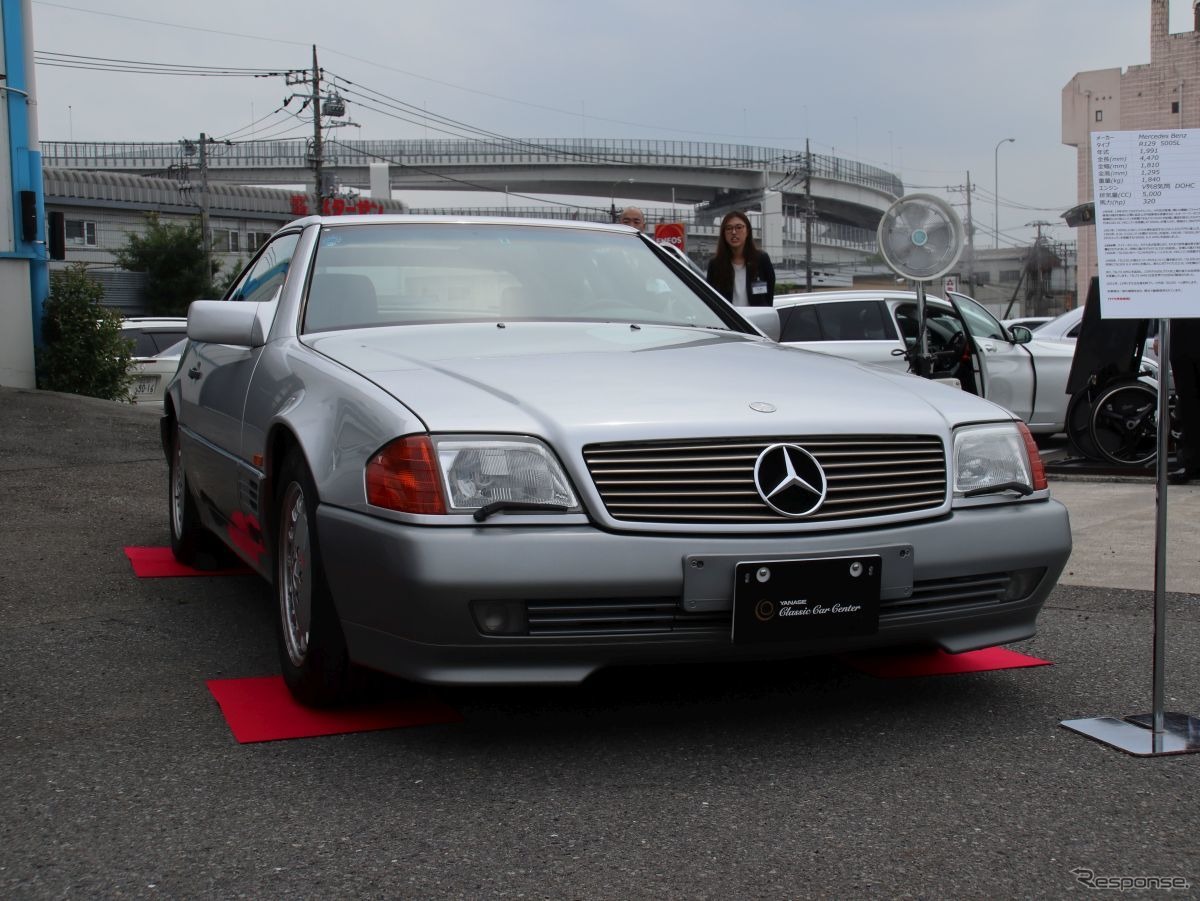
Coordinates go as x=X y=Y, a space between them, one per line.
x=1146 y=186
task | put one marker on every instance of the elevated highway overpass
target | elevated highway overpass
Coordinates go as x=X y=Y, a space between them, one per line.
x=847 y=197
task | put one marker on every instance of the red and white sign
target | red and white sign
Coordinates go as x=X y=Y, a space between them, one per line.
x=671 y=233
x=950 y=283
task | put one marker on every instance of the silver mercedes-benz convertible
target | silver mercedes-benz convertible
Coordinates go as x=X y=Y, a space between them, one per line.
x=488 y=450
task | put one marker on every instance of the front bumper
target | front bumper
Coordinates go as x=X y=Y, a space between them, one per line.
x=403 y=592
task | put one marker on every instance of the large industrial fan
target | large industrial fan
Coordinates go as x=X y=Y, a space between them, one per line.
x=920 y=237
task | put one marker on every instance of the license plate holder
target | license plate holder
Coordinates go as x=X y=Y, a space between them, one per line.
x=802 y=600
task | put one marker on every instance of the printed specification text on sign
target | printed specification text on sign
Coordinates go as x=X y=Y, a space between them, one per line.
x=1146 y=186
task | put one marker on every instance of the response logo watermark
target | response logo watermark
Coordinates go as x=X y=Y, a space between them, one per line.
x=1090 y=879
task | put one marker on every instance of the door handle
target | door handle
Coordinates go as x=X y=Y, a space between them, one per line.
x=990 y=348
x=194 y=372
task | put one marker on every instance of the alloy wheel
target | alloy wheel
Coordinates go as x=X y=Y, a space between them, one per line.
x=295 y=574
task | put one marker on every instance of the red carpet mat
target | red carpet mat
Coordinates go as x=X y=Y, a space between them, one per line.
x=938 y=663
x=262 y=709
x=158 y=562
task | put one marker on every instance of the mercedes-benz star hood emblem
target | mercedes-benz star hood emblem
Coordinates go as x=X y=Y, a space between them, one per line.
x=790 y=480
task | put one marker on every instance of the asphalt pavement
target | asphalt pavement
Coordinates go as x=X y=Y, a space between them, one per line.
x=120 y=778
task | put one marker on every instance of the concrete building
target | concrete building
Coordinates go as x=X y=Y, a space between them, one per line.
x=1164 y=94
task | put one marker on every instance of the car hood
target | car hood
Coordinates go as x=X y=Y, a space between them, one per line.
x=608 y=381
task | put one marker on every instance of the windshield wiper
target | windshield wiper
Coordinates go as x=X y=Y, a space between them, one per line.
x=523 y=506
x=1019 y=487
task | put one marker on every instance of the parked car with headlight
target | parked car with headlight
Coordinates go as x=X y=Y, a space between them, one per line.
x=517 y=451
x=967 y=344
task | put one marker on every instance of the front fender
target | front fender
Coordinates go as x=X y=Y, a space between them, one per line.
x=337 y=418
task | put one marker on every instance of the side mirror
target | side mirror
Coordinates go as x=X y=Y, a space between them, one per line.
x=765 y=319
x=226 y=322
x=1020 y=334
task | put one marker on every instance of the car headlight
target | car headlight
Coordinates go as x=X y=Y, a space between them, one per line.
x=457 y=474
x=994 y=458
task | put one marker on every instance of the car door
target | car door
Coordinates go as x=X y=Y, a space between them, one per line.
x=214 y=384
x=857 y=329
x=1005 y=368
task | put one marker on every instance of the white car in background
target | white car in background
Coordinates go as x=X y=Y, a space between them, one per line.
x=1012 y=369
x=1033 y=323
x=158 y=343
x=1065 y=327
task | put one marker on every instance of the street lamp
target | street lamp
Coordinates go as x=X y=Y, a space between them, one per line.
x=996 y=186
x=612 y=200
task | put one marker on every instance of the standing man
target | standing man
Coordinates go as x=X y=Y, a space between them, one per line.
x=633 y=216
x=1185 y=365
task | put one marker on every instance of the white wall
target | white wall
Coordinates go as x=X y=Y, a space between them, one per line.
x=16 y=324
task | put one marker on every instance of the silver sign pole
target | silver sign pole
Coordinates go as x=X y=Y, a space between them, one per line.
x=1157 y=733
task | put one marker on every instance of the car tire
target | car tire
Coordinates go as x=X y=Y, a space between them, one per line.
x=1124 y=425
x=188 y=536
x=312 y=647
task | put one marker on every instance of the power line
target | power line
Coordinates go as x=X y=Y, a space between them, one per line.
x=401 y=110
x=229 y=135
x=400 y=106
x=108 y=64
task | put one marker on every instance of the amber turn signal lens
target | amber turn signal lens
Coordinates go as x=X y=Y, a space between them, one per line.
x=1037 y=469
x=404 y=476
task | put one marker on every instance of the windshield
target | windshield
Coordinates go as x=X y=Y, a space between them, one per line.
x=401 y=273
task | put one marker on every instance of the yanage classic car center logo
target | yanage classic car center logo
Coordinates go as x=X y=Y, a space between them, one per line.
x=790 y=480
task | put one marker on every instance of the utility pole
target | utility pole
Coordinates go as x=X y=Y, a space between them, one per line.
x=201 y=149
x=1039 y=224
x=970 y=241
x=331 y=105
x=316 y=105
x=205 y=230
x=808 y=217
x=970 y=229
x=1040 y=293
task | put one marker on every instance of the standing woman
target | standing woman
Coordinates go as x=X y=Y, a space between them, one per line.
x=740 y=271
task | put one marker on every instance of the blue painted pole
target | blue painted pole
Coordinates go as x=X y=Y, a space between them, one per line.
x=24 y=153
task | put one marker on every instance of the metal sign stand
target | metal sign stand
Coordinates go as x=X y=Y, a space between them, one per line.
x=1154 y=734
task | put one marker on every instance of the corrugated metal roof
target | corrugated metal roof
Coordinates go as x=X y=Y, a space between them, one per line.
x=62 y=185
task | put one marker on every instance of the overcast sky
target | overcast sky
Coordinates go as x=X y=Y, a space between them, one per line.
x=922 y=89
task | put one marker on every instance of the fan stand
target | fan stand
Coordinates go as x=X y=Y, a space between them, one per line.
x=921 y=362
x=929 y=224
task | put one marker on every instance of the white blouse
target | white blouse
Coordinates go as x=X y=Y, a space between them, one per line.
x=740 y=297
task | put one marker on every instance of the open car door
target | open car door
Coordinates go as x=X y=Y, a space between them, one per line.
x=1003 y=369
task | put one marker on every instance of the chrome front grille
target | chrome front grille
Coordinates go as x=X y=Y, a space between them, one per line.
x=713 y=481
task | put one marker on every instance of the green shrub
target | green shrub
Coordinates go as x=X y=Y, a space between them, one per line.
x=84 y=351
x=173 y=258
